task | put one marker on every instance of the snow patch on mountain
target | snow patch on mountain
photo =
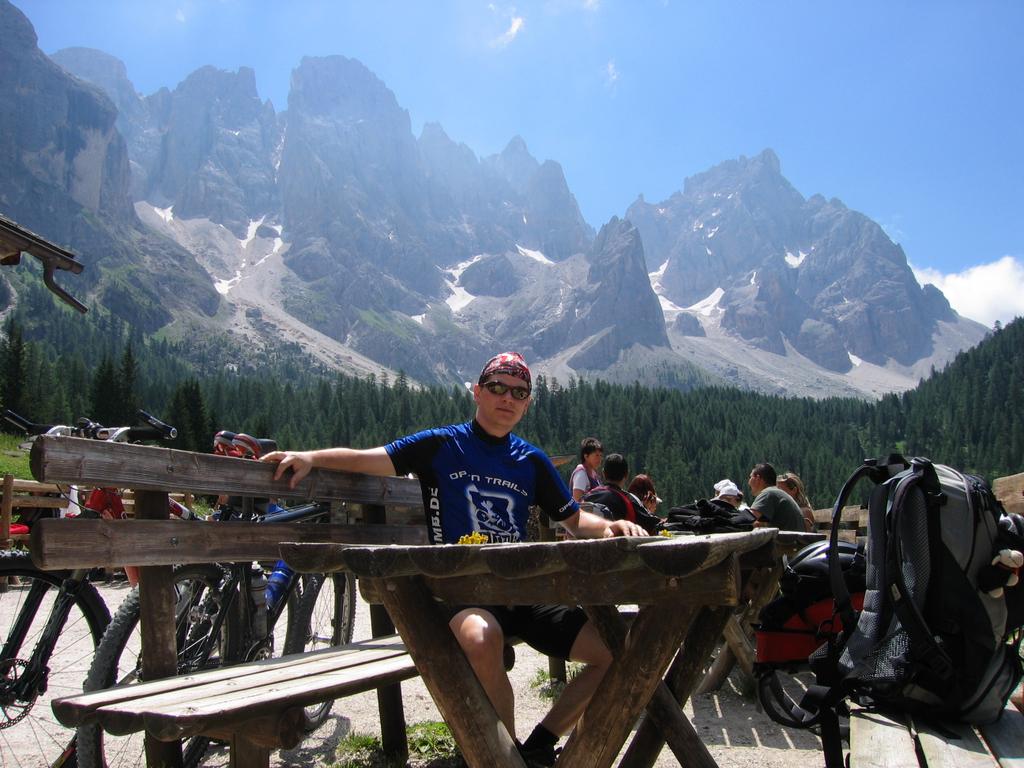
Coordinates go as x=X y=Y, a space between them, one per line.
x=709 y=304
x=535 y=255
x=795 y=261
x=250 y=232
x=460 y=297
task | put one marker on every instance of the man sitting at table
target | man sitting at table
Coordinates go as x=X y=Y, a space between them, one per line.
x=773 y=506
x=478 y=477
x=622 y=504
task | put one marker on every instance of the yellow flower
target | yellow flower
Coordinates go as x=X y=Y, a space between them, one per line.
x=473 y=538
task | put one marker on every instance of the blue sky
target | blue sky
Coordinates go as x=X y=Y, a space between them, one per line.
x=910 y=112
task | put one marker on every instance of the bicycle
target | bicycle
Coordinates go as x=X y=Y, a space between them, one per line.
x=59 y=615
x=223 y=617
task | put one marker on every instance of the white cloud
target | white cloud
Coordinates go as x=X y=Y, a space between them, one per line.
x=591 y=5
x=986 y=292
x=611 y=73
x=179 y=15
x=514 y=27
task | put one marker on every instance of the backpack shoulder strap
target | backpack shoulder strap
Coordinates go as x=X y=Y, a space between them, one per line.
x=630 y=510
x=879 y=470
x=924 y=477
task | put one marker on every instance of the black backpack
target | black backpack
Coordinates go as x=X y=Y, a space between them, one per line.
x=939 y=634
x=703 y=516
x=799 y=621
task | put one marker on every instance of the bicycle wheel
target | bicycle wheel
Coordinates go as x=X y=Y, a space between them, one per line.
x=325 y=617
x=29 y=733
x=199 y=603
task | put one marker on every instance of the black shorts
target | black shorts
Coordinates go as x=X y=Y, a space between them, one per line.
x=550 y=629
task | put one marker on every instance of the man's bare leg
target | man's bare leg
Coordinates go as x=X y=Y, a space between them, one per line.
x=590 y=649
x=483 y=642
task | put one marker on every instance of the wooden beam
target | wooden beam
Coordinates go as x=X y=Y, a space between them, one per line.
x=145 y=467
x=718 y=586
x=61 y=544
x=156 y=619
x=682 y=676
x=449 y=678
x=1010 y=491
x=5 y=511
x=877 y=741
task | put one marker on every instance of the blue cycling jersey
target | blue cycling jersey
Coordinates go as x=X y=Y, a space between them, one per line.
x=474 y=482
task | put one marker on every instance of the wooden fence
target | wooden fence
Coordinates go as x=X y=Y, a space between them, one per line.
x=24 y=494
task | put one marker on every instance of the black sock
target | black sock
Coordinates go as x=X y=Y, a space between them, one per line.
x=541 y=737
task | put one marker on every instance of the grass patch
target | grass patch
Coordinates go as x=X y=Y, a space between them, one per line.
x=430 y=743
x=14 y=460
x=549 y=688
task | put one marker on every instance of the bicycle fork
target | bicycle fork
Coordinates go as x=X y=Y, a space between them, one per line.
x=26 y=686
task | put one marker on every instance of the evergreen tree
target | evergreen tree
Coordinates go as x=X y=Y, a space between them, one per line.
x=126 y=385
x=104 y=395
x=12 y=357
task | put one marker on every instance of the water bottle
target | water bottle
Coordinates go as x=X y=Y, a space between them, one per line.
x=278 y=583
x=258 y=591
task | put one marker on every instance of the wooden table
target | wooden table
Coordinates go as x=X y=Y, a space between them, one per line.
x=761 y=587
x=685 y=588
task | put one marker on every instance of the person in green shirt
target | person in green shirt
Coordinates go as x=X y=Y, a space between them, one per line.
x=773 y=507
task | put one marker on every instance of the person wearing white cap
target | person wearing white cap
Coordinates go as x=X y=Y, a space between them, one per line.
x=729 y=492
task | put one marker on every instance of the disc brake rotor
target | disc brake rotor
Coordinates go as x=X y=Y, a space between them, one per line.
x=12 y=709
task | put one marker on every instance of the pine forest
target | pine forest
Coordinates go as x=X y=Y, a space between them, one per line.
x=59 y=366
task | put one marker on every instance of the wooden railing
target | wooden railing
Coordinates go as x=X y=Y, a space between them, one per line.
x=853 y=521
x=24 y=494
x=155 y=543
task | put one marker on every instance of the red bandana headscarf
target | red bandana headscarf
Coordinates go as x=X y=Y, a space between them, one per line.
x=511 y=363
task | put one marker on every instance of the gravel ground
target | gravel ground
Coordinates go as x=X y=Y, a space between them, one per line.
x=736 y=732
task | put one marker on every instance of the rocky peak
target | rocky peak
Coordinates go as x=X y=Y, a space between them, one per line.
x=18 y=30
x=216 y=152
x=618 y=299
x=138 y=119
x=109 y=73
x=515 y=163
x=344 y=90
x=552 y=214
x=66 y=176
x=63 y=129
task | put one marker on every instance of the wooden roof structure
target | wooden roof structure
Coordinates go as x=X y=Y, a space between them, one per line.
x=15 y=240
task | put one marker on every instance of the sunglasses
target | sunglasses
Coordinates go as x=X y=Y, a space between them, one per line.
x=499 y=389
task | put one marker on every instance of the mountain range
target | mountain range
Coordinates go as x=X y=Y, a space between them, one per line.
x=203 y=211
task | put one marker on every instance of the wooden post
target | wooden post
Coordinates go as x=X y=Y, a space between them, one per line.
x=389 y=697
x=5 y=511
x=681 y=679
x=156 y=616
x=556 y=667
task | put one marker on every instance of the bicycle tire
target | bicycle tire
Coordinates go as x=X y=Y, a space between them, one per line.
x=325 y=617
x=29 y=733
x=118 y=659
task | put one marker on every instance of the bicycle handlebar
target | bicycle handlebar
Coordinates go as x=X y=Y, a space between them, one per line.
x=165 y=431
x=26 y=426
x=152 y=429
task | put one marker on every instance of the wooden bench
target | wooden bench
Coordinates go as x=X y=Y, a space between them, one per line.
x=879 y=741
x=156 y=543
x=255 y=707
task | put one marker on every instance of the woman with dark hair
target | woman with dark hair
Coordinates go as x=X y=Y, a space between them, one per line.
x=585 y=478
x=791 y=483
x=643 y=488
